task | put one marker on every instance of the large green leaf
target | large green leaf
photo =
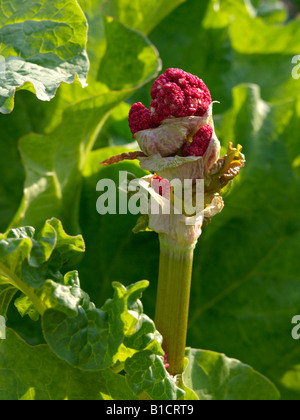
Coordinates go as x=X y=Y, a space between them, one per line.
x=35 y=373
x=214 y=376
x=42 y=45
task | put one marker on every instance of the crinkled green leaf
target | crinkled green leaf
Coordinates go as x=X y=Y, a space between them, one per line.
x=84 y=338
x=67 y=248
x=75 y=329
x=141 y=334
x=224 y=172
x=22 y=251
x=214 y=376
x=42 y=44
x=31 y=264
x=119 y=332
x=146 y=373
x=35 y=373
x=118 y=56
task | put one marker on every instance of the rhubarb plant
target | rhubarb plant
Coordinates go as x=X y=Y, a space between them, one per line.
x=177 y=141
x=90 y=82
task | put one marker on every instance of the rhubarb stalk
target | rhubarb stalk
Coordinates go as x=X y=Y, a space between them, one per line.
x=173 y=297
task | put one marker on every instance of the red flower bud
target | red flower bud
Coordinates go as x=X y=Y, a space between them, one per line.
x=175 y=94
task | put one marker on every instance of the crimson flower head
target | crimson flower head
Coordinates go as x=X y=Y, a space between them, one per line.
x=175 y=94
x=176 y=134
x=179 y=120
x=178 y=94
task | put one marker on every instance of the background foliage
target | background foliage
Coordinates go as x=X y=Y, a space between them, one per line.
x=246 y=285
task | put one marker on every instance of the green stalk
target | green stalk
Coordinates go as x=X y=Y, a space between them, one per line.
x=173 y=298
